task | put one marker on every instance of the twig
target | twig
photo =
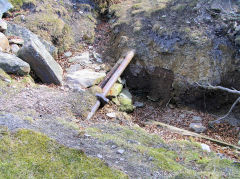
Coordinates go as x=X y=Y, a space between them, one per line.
x=233 y=91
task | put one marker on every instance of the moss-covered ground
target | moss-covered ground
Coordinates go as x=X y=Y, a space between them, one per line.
x=27 y=154
x=181 y=158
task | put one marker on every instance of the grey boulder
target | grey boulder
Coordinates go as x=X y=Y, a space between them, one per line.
x=41 y=62
x=13 y=65
x=27 y=35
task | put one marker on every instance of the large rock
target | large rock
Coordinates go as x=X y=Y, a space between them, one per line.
x=40 y=60
x=27 y=35
x=85 y=78
x=13 y=65
x=4 y=44
x=178 y=43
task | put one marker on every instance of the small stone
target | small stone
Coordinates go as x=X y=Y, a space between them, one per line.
x=114 y=147
x=197 y=127
x=87 y=135
x=3 y=25
x=150 y=158
x=239 y=142
x=121 y=159
x=17 y=41
x=99 y=156
x=120 y=151
x=68 y=54
x=98 y=57
x=82 y=58
x=197 y=119
x=111 y=115
x=15 y=48
x=22 y=18
x=206 y=147
x=138 y=104
x=4 y=44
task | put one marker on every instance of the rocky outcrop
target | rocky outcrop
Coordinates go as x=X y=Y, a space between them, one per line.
x=27 y=35
x=178 y=43
x=13 y=65
x=42 y=63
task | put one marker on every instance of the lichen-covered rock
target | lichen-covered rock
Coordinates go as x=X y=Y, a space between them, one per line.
x=43 y=64
x=115 y=90
x=182 y=38
x=125 y=100
x=13 y=65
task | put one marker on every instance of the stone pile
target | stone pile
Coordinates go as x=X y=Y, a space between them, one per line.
x=21 y=50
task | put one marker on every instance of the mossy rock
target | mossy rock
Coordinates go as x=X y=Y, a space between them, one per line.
x=125 y=100
x=115 y=90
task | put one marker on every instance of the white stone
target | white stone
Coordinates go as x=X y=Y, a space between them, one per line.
x=99 y=156
x=68 y=54
x=111 y=115
x=206 y=147
x=120 y=151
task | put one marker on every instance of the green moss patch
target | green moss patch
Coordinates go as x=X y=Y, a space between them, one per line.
x=182 y=158
x=27 y=154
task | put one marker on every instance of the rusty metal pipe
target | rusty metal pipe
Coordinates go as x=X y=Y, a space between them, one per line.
x=109 y=75
x=112 y=80
x=118 y=72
